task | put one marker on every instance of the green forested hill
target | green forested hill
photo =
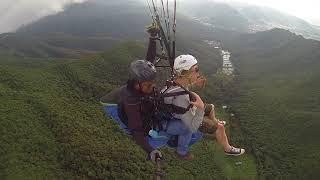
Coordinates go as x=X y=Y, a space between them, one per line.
x=278 y=102
x=81 y=29
x=52 y=126
x=93 y=26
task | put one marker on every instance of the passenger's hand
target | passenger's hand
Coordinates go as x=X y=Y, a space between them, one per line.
x=201 y=82
x=198 y=102
x=219 y=125
x=154 y=155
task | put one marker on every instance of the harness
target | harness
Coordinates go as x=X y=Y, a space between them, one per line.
x=163 y=112
x=171 y=108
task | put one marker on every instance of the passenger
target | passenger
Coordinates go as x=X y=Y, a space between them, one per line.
x=187 y=73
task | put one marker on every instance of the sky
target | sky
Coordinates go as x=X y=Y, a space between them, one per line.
x=14 y=13
x=308 y=10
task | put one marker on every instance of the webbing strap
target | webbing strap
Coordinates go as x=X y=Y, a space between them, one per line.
x=174 y=108
x=177 y=109
x=175 y=94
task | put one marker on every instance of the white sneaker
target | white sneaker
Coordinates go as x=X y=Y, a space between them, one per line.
x=235 y=151
x=223 y=122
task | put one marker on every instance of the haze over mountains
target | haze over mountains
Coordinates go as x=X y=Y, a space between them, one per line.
x=247 y=18
x=81 y=29
x=232 y=15
x=64 y=34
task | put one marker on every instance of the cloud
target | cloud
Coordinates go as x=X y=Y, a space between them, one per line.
x=14 y=14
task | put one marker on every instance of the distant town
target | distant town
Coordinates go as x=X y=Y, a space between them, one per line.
x=227 y=66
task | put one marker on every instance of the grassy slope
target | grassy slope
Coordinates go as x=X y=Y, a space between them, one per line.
x=53 y=127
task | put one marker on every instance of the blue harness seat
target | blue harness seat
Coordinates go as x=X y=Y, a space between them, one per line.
x=155 y=139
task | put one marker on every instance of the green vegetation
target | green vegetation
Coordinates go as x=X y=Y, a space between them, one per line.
x=277 y=104
x=52 y=126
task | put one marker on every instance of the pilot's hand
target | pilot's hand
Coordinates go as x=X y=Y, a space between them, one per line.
x=154 y=155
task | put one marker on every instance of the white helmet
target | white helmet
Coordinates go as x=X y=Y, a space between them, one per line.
x=184 y=62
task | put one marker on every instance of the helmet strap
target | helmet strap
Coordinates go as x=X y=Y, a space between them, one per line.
x=189 y=81
x=140 y=87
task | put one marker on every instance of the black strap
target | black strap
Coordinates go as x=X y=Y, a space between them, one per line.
x=173 y=83
x=177 y=109
x=171 y=108
x=174 y=94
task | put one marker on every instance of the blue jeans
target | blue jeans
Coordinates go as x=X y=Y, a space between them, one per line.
x=176 y=127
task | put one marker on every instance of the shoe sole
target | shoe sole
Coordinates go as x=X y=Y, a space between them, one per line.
x=183 y=158
x=230 y=154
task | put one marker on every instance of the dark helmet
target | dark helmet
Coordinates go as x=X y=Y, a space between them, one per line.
x=142 y=71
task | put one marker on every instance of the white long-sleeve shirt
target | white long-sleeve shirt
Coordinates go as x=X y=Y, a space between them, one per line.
x=192 y=118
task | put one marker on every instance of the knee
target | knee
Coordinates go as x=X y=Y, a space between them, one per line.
x=186 y=131
x=178 y=128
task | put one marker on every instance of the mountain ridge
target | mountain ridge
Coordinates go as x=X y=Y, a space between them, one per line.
x=247 y=18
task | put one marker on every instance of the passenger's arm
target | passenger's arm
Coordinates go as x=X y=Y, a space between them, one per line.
x=192 y=119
